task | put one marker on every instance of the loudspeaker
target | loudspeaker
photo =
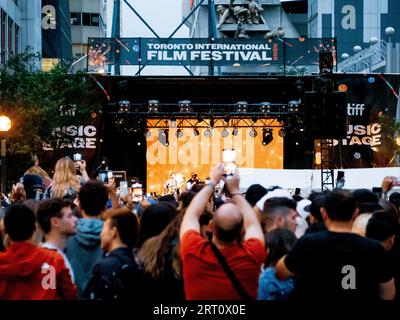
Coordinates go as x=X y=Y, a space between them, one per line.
x=325 y=115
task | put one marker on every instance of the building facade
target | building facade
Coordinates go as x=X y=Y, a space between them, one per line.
x=275 y=17
x=357 y=26
x=19 y=27
x=88 y=20
x=56 y=33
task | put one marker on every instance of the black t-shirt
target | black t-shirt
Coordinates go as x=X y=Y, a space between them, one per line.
x=321 y=261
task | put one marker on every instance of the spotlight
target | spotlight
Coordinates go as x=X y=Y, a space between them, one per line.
x=253 y=133
x=163 y=137
x=153 y=106
x=196 y=132
x=199 y=119
x=282 y=132
x=207 y=133
x=235 y=132
x=254 y=118
x=212 y=122
x=267 y=136
x=294 y=106
x=227 y=118
x=241 y=106
x=225 y=133
x=124 y=106
x=147 y=133
x=265 y=107
x=179 y=133
x=184 y=106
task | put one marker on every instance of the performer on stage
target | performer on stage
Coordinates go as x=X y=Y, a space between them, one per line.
x=172 y=184
x=192 y=181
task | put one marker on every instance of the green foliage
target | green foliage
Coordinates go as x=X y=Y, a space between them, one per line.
x=392 y=128
x=39 y=102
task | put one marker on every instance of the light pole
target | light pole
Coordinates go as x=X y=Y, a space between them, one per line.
x=5 y=126
x=389 y=31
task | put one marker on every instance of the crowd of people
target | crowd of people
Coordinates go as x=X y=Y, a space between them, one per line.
x=71 y=237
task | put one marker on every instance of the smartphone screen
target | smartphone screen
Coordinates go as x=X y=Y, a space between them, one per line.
x=229 y=159
x=103 y=176
x=77 y=157
x=123 y=188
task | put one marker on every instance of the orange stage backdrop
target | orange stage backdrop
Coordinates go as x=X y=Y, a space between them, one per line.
x=198 y=154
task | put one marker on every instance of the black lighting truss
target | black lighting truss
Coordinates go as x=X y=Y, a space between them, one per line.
x=208 y=116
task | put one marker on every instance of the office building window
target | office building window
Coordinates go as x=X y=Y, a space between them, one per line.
x=86 y=19
x=10 y=37
x=94 y=19
x=76 y=18
x=16 y=41
x=3 y=36
x=90 y=19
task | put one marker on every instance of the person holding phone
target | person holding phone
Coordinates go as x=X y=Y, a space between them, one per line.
x=204 y=274
x=66 y=182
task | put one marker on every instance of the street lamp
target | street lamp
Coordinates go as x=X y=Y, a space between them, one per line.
x=5 y=125
x=389 y=31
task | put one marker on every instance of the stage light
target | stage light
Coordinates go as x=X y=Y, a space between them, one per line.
x=124 y=106
x=282 y=132
x=147 y=133
x=267 y=136
x=196 y=132
x=207 y=133
x=294 y=106
x=153 y=106
x=342 y=88
x=163 y=137
x=212 y=122
x=227 y=118
x=265 y=107
x=225 y=133
x=254 y=118
x=184 y=106
x=179 y=133
x=241 y=106
x=199 y=119
x=235 y=132
x=253 y=133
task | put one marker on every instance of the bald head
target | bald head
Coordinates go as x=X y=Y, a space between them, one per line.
x=228 y=223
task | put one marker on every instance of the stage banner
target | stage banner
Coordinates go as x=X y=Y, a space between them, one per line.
x=368 y=144
x=286 y=52
x=202 y=52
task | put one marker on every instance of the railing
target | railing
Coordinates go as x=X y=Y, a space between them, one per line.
x=366 y=59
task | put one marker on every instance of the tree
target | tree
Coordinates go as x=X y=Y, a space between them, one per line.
x=41 y=105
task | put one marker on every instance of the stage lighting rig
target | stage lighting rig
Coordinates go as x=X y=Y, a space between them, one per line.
x=184 y=106
x=196 y=132
x=241 y=106
x=153 y=106
x=267 y=136
x=124 y=106
x=265 y=107
x=253 y=133
x=163 y=137
x=235 y=132
x=207 y=133
x=225 y=133
x=294 y=106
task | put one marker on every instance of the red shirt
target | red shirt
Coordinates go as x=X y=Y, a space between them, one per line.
x=203 y=276
x=26 y=273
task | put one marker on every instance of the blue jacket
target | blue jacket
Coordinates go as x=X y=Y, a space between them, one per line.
x=84 y=251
